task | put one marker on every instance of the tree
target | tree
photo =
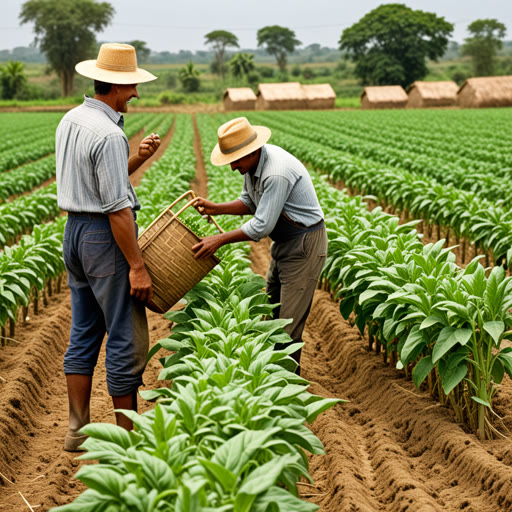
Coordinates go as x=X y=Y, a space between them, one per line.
x=141 y=50
x=65 y=32
x=220 y=40
x=12 y=79
x=487 y=39
x=278 y=41
x=242 y=64
x=391 y=43
x=189 y=77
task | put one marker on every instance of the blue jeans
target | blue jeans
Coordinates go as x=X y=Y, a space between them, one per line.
x=98 y=277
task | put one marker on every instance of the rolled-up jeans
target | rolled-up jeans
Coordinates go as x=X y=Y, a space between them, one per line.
x=98 y=277
x=293 y=277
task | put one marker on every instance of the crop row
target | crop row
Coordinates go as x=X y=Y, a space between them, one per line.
x=445 y=323
x=464 y=213
x=333 y=133
x=43 y=246
x=229 y=434
x=20 y=215
x=26 y=177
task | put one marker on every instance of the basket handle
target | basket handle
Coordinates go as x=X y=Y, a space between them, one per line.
x=190 y=203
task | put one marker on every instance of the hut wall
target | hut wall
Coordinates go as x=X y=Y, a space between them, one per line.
x=230 y=105
x=415 y=99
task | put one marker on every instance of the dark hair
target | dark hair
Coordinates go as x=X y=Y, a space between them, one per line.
x=101 y=88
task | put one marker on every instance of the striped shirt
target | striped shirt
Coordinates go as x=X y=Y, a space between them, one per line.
x=280 y=184
x=92 y=160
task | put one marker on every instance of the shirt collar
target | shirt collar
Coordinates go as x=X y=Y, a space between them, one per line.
x=116 y=117
x=261 y=163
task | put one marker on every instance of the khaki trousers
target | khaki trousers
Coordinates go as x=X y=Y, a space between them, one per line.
x=293 y=277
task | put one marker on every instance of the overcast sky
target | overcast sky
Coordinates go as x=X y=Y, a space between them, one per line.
x=173 y=26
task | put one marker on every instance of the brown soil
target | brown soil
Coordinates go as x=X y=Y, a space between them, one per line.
x=391 y=448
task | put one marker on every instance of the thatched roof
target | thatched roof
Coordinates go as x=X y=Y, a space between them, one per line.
x=241 y=98
x=319 y=91
x=383 y=96
x=240 y=94
x=282 y=91
x=432 y=93
x=491 y=91
x=281 y=96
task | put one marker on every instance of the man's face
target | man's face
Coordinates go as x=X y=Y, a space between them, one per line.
x=124 y=94
x=247 y=163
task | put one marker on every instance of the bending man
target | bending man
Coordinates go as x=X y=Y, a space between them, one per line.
x=279 y=193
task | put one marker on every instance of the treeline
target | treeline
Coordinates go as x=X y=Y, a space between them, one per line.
x=310 y=54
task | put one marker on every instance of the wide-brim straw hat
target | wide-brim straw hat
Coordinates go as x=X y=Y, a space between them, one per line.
x=238 y=138
x=116 y=64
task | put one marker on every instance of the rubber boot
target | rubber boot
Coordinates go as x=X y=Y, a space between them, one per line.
x=125 y=402
x=79 y=396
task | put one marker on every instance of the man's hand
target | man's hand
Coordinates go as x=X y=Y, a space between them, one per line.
x=210 y=244
x=205 y=207
x=140 y=282
x=148 y=146
x=207 y=246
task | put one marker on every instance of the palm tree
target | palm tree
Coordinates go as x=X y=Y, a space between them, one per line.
x=12 y=79
x=189 y=77
x=242 y=64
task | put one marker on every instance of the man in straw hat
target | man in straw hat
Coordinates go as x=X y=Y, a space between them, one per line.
x=106 y=275
x=279 y=193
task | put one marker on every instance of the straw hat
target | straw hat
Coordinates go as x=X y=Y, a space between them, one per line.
x=238 y=138
x=116 y=64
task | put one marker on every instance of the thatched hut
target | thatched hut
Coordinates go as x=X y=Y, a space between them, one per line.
x=239 y=98
x=484 y=92
x=432 y=94
x=319 y=96
x=281 y=96
x=383 y=96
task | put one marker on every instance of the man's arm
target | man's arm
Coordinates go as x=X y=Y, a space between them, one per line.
x=147 y=148
x=123 y=228
x=237 y=207
x=210 y=244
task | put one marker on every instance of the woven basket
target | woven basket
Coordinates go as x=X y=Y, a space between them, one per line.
x=166 y=246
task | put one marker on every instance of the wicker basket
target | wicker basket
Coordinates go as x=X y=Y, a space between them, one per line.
x=166 y=246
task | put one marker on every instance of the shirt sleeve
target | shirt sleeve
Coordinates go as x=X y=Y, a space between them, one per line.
x=112 y=174
x=276 y=190
x=246 y=199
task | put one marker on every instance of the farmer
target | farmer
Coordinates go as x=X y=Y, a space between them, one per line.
x=278 y=192
x=106 y=275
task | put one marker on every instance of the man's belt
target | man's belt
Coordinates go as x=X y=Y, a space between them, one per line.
x=91 y=215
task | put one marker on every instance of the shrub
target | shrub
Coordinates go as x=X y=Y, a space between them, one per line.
x=266 y=71
x=171 y=98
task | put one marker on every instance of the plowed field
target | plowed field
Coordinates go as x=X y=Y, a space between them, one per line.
x=391 y=448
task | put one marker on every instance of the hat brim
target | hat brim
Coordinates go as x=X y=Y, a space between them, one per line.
x=89 y=69
x=219 y=158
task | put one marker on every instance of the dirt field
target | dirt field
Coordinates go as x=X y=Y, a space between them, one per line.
x=390 y=449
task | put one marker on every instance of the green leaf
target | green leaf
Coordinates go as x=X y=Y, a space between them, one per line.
x=423 y=367
x=263 y=477
x=480 y=401
x=220 y=474
x=495 y=330
x=319 y=406
x=413 y=345
x=430 y=321
x=108 y=433
x=279 y=499
x=103 y=480
x=453 y=376
x=448 y=338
